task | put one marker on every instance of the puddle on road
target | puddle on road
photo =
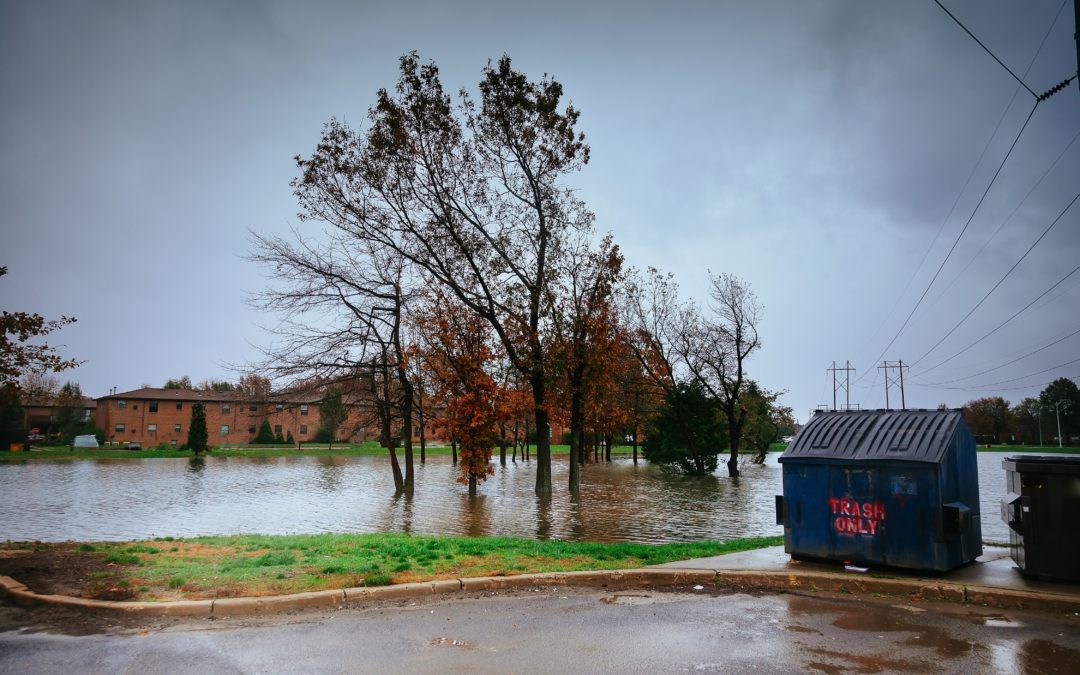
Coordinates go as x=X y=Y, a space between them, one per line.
x=612 y=598
x=1043 y=656
x=864 y=664
x=874 y=618
x=448 y=642
x=992 y=620
x=801 y=629
x=627 y=599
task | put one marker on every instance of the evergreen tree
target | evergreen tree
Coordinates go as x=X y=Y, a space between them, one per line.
x=688 y=431
x=279 y=439
x=332 y=413
x=197 y=435
x=265 y=435
x=289 y=440
x=69 y=411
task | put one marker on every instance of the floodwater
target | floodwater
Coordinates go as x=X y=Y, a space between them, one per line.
x=138 y=499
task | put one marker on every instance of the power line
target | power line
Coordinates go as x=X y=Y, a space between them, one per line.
x=987 y=49
x=989 y=141
x=1002 y=225
x=1009 y=363
x=1000 y=281
x=990 y=385
x=1002 y=324
x=1022 y=388
x=962 y=231
x=952 y=209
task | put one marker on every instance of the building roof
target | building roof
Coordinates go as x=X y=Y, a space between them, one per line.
x=907 y=435
x=37 y=402
x=161 y=394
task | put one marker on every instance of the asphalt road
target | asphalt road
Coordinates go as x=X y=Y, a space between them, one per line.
x=563 y=631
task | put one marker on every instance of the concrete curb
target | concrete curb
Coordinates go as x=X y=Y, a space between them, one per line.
x=937 y=591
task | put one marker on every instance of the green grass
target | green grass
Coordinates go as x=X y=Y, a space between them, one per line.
x=207 y=567
x=1028 y=449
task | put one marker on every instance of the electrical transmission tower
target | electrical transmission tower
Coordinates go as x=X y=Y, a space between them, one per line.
x=841 y=382
x=894 y=381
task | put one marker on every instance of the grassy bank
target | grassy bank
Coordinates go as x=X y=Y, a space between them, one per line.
x=215 y=567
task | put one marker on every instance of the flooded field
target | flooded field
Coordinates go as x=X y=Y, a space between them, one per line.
x=136 y=499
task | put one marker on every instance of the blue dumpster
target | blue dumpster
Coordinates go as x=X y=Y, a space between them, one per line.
x=883 y=487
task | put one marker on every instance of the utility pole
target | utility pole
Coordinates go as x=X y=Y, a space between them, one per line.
x=1057 y=409
x=893 y=380
x=837 y=384
x=1076 y=37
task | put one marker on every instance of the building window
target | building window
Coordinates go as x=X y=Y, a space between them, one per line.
x=224 y=429
x=277 y=429
x=121 y=403
x=173 y=442
x=251 y=428
x=225 y=408
x=303 y=429
x=179 y=405
x=252 y=407
x=86 y=413
x=303 y=408
x=279 y=407
x=119 y=428
x=153 y=406
x=176 y=428
x=151 y=428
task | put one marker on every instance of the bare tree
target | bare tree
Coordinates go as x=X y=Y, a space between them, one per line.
x=675 y=342
x=468 y=197
x=715 y=350
x=342 y=309
x=39 y=385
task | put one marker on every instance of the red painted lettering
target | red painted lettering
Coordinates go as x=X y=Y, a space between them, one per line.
x=853 y=517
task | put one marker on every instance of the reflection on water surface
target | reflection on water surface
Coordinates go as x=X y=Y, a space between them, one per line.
x=136 y=499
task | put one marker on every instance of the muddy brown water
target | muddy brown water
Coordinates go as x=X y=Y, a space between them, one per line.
x=138 y=499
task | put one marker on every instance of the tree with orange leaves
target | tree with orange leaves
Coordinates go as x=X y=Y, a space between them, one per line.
x=584 y=322
x=459 y=356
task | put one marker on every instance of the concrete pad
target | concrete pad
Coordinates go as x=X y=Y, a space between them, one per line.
x=993 y=569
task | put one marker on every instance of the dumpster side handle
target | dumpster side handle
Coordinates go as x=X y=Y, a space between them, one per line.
x=1012 y=512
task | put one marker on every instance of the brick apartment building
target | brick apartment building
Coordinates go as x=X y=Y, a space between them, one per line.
x=152 y=416
x=40 y=414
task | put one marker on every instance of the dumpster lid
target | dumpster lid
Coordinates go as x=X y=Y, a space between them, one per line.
x=905 y=435
x=1067 y=464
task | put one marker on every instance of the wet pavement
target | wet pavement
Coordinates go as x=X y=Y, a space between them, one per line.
x=571 y=631
x=993 y=569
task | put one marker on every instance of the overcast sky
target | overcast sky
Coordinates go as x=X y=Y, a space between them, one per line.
x=815 y=149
